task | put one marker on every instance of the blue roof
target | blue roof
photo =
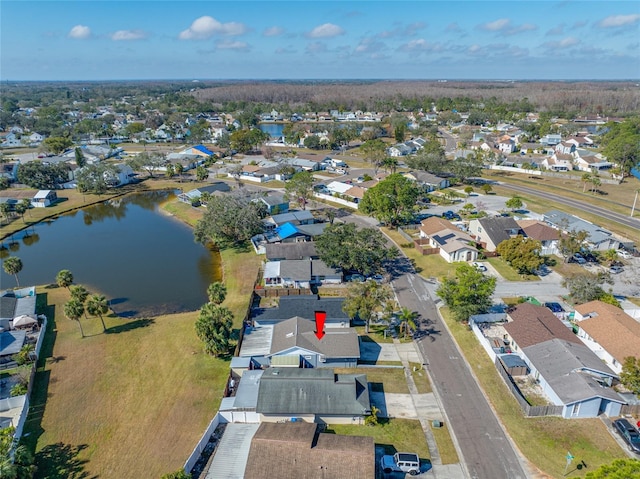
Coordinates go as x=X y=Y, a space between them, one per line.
x=203 y=149
x=286 y=230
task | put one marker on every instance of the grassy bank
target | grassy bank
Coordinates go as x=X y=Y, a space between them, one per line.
x=131 y=402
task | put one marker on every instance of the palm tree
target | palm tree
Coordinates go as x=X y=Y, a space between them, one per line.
x=64 y=278
x=407 y=320
x=179 y=169
x=97 y=306
x=80 y=294
x=13 y=265
x=74 y=309
x=586 y=178
x=217 y=292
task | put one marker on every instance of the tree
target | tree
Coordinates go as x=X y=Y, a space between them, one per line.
x=571 y=242
x=80 y=159
x=171 y=171
x=229 y=220
x=217 y=292
x=97 y=306
x=79 y=293
x=586 y=178
x=56 y=144
x=213 y=327
x=201 y=173
x=42 y=177
x=342 y=245
x=467 y=293
x=514 y=203
x=5 y=211
x=408 y=320
x=300 y=187
x=618 y=469
x=93 y=178
x=148 y=162
x=585 y=287
x=179 y=170
x=364 y=299
x=374 y=151
x=523 y=254
x=64 y=278
x=595 y=182
x=630 y=375
x=179 y=474
x=392 y=200
x=73 y=310
x=312 y=142
x=21 y=208
x=13 y=265
x=133 y=129
x=4 y=183
x=621 y=144
x=468 y=190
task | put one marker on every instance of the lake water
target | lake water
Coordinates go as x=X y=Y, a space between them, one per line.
x=273 y=129
x=142 y=259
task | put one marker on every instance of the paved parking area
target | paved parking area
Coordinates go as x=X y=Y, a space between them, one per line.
x=370 y=351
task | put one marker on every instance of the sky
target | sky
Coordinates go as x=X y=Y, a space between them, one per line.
x=326 y=39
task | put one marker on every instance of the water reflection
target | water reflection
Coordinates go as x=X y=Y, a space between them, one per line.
x=145 y=261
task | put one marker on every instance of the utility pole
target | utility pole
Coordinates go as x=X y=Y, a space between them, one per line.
x=634 y=203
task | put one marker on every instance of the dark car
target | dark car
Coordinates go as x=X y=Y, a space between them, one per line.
x=590 y=257
x=450 y=215
x=554 y=307
x=577 y=258
x=629 y=433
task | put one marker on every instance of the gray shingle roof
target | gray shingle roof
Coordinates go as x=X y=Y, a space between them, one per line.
x=295 y=450
x=296 y=269
x=300 y=332
x=291 y=391
x=499 y=228
x=563 y=364
x=303 y=306
x=301 y=250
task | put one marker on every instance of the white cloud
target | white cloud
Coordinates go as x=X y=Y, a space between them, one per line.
x=316 y=47
x=615 y=21
x=557 y=30
x=326 y=30
x=369 y=45
x=128 y=35
x=496 y=25
x=273 y=32
x=421 y=45
x=206 y=27
x=562 y=44
x=80 y=32
x=232 y=45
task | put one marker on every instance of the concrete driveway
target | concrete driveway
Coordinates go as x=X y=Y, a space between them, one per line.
x=374 y=352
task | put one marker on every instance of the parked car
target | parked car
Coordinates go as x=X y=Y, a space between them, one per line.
x=624 y=254
x=479 y=266
x=354 y=278
x=590 y=257
x=616 y=269
x=554 y=307
x=629 y=434
x=450 y=215
x=401 y=462
x=577 y=258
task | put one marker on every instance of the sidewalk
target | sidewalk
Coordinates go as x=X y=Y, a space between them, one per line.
x=427 y=409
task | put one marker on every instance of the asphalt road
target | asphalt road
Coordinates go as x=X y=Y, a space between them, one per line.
x=578 y=206
x=487 y=452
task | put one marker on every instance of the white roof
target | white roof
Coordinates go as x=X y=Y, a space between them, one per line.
x=272 y=269
x=338 y=187
x=41 y=194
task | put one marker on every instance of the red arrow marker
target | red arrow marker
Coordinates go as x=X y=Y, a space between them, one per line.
x=320 y=318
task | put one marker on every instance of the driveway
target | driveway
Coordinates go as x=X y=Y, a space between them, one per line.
x=374 y=352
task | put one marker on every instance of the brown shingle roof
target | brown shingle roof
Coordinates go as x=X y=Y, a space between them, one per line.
x=295 y=450
x=538 y=231
x=612 y=328
x=434 y=224
x=530 y=324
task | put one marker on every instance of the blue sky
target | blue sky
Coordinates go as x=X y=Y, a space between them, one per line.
x=111 y=40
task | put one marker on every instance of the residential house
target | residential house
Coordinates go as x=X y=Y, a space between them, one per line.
x=428 y=181
x=551 y=139
x=44 y=198
x=401 y=149
x=298 y=449
x=580 y=141
x=532 y=148
x=294 y=343
x=199 y=150
x=565 y=148
x=189 y=161
x=303 y=306
x=568 y=372
x=587 y=161
x=35 y=138
x=123 y=175
x=276 y=204
x=313 y=395
x=490 y=232
x=16 y=302
x=609 y=332
x=506 y=146
x=300 y=273
x=539 y=231
x=283 y=251
x=598 y=238
x=452 y=244
x=193 y=197
x=298 y=217
x=558 y=162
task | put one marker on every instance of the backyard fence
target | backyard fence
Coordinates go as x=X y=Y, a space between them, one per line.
x=202 y=444
x=527 y=409
x=630 y=409
x=277 y=292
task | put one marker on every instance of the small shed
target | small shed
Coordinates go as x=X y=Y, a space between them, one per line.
x=514 y=365
x=44 y=198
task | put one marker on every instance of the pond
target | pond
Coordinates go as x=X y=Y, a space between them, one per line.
x=273 y=129
x=142 y=259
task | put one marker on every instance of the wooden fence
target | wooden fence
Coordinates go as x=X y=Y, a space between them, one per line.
x=630 y=409
x=277 y=292
x=527 y=409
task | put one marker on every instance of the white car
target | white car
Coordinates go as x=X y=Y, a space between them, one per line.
x=479 y=266
x=624 y=254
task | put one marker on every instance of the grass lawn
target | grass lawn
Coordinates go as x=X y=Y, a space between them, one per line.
x=132 y=402
x=376 y=334
x=388 y=380
x=508 y=273
x=635 y=301
x=545 y=440
x=568 y=269
x=394 y=434
x=420 y=378
x=446 y=449
x=430 y=266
